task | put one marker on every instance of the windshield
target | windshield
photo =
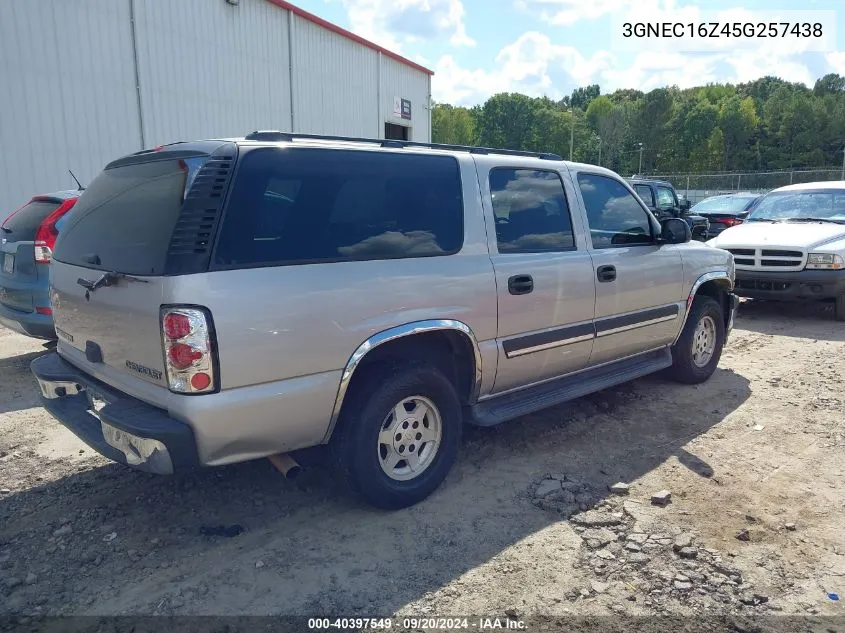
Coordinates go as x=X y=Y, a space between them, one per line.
x=821 y=204
x=730 y=204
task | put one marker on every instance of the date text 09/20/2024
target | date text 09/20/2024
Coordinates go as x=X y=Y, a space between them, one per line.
x=431 y=623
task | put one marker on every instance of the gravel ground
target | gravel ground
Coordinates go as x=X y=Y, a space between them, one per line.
x=526 y=524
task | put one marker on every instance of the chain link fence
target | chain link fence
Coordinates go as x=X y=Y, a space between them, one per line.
x=696 y=187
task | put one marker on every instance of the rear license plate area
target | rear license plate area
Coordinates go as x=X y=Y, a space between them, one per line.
x=96 y=401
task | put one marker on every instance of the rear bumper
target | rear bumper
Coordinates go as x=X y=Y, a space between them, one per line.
x=28 y=323
x=792 y=286
x=125 y=430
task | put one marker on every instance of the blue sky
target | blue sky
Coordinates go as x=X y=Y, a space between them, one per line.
x=478 y=48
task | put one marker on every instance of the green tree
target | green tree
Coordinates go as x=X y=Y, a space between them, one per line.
x=453 y=125
x=607 y=120
x=581 y=97
x=507 y=120
x=738 y=123
x=829 y=84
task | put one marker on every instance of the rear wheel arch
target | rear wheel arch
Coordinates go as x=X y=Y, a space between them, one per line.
x=449 y=345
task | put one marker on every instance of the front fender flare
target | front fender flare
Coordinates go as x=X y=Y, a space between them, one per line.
x=716 y=275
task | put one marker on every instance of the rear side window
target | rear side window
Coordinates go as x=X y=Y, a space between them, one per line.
x=531 y=212
x=297 y=206
x=22 y=225
x=644 y=192
x=124 y=220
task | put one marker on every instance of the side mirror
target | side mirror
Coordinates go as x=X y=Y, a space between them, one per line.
x=675 y=231
x=685 y=204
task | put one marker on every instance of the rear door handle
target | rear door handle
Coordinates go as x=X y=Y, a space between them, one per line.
x=520 y=284
x=606 y=273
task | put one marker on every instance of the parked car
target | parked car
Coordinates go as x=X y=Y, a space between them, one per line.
x=662 y=200
x=792 y=245
x=27 y=237
x=220 y=301
x=725 y=210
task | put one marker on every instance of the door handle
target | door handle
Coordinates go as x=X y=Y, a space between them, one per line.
x=520 y=284
x=606 y=273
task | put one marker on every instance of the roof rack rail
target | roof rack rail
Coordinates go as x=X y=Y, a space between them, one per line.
x=275 y=135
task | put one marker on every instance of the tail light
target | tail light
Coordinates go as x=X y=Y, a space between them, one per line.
x=45 y=236
x=189 y=350
x=729 y=222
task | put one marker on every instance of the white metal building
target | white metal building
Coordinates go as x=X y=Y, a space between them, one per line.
x=85 y=81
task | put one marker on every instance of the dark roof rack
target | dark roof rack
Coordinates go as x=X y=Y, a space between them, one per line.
x=274 y=135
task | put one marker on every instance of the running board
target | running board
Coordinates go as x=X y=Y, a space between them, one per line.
x=506 y=407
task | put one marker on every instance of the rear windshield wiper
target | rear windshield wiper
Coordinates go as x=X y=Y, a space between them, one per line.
x=761 y=220
x=107 y=279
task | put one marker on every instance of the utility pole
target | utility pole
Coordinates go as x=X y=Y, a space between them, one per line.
x=599 y=138
x=640 y=170
x=843 y=164
x=571 y=132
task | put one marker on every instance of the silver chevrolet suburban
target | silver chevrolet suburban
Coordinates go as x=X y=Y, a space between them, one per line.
x=221 y=301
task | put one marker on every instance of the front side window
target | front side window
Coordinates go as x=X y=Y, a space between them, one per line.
x=296 y=206
x=665 y=198
x=614 y=215
x=531 y=212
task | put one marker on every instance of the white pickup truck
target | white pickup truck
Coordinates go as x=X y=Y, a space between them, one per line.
x=792 y=246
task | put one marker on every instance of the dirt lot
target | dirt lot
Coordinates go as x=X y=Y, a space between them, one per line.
x=755 y=453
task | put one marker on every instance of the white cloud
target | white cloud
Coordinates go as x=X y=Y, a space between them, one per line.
x=394 y=23
x=534 y=65
x=836 y=62
x=568 y=12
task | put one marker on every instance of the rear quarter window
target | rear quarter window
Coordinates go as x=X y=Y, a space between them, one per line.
x=124 y=220
x=297 y=206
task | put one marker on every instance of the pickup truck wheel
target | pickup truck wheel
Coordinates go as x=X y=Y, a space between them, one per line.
x=839 y=308
x=699 y=348
x=399 y=434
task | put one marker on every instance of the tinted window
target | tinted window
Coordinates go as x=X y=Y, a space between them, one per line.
x=531 y=211
x=644 y=192
x=665 y=198
x=311 y=205
x=22 y=224
x=124 y=220
x=614 y=215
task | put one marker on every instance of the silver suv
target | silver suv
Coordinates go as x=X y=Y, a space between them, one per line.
x=222 y=301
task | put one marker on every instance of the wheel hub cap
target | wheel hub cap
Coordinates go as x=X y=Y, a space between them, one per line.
x=409 y=438
x=704 y=341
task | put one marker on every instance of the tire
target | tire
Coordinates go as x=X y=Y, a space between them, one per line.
x=370 y=410
x=689 y=364
x=839 y=308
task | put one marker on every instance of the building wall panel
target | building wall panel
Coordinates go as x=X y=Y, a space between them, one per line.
x=400 y=80
x=335 y=83
x=69 y=98
x=209 y=69
x=67 y=95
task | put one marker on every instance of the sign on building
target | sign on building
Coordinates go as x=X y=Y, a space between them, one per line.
x=402 y=108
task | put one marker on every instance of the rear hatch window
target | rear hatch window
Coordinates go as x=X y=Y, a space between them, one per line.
x=22 y=225
x=124 y=220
